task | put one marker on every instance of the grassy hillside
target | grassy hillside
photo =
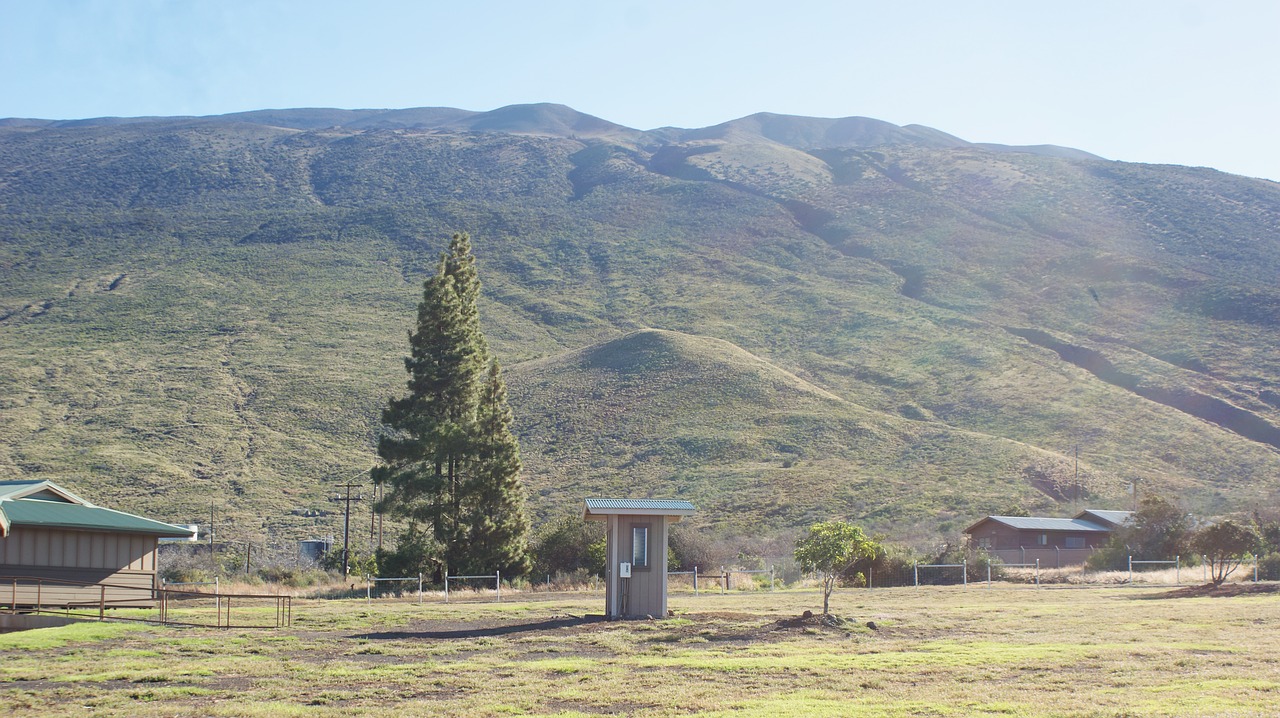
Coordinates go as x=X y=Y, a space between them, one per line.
x=778 y=318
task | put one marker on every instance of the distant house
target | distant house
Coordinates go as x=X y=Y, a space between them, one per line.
x=1054 y=542
x=70 y=552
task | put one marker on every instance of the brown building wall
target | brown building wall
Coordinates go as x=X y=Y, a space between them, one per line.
x=995 y=536
x=127 y=562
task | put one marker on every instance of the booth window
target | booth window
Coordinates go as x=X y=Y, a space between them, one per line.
x=639 y=546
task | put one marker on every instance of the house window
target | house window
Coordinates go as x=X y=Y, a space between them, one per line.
x=984 y=542
x=1043 y=539
x=1075 y=542
x=639 y=546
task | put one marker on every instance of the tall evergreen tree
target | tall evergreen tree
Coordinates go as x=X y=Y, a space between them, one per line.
x=498 y=533
x=447 y=441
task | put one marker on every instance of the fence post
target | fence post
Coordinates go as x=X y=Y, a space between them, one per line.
x=1255 y=568
x=446 y=586
x=915 y=572
x=497 y=575
x=1037 y=573
x=1204 y=568
x=988 y=573
x=1177 y=570
x=1131 y=570
x=368 y=590
x=1057 y=555
x=1255 y=575
x=419 y=589
x=695 y=580
x=964 y=572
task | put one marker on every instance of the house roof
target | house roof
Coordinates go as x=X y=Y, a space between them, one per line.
x=1115 y=518
x=1037 y=523
x=43 y=504
x=638 y=507
x=18 y=489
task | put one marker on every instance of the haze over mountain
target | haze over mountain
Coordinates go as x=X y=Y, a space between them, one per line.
x=783 y=318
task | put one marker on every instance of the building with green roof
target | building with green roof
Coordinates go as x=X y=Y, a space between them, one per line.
x=71 y=552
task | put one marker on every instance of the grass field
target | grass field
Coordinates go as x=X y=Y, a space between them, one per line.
x=934 y=651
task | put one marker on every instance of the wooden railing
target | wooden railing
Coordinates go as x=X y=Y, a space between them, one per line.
x=37 y=595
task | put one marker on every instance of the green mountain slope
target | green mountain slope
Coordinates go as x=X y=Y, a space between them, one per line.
x=214 y=310
x=660 y=413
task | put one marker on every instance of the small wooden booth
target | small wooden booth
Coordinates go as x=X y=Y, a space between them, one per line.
x=636 y=552
x=56 y=549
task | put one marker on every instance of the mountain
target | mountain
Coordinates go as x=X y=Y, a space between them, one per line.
x=782 y=318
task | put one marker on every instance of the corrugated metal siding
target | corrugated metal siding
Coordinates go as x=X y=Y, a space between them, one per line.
x=55 y=548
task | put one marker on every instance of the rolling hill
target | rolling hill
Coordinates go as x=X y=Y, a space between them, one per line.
x=782 y=318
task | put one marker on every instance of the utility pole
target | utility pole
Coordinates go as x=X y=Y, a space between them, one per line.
x=346 y=526
x=1076 y=462
x=213 y=563
x=375 y=518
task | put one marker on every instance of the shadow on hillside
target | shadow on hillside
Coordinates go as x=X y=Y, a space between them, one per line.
x=506 y=630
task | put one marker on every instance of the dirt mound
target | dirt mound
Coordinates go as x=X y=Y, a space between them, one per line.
x=809 y=619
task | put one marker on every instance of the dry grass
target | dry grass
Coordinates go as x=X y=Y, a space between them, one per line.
x=1007 y=650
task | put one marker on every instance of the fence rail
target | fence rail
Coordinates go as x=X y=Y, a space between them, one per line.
x=724 y=579
x=497 y=583
x=51 y=596
x=370 y=581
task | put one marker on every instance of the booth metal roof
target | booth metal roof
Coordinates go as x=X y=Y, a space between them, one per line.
x=660 y=507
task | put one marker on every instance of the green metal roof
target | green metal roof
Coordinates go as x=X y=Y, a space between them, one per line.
x=25 y=488
x=18 y=510
x=670 y=507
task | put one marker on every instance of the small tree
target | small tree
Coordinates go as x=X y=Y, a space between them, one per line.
x=1224 y=545
x=1158 y=530
x=829 y=549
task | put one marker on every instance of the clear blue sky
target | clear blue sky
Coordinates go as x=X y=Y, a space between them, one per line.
x=1174 y=81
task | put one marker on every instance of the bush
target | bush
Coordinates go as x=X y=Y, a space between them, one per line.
x=416 y=553
x=1269 y=567
x=567 y=545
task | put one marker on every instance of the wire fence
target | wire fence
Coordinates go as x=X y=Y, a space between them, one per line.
x=371 y=584
x=477 y=593
x=724 y=580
